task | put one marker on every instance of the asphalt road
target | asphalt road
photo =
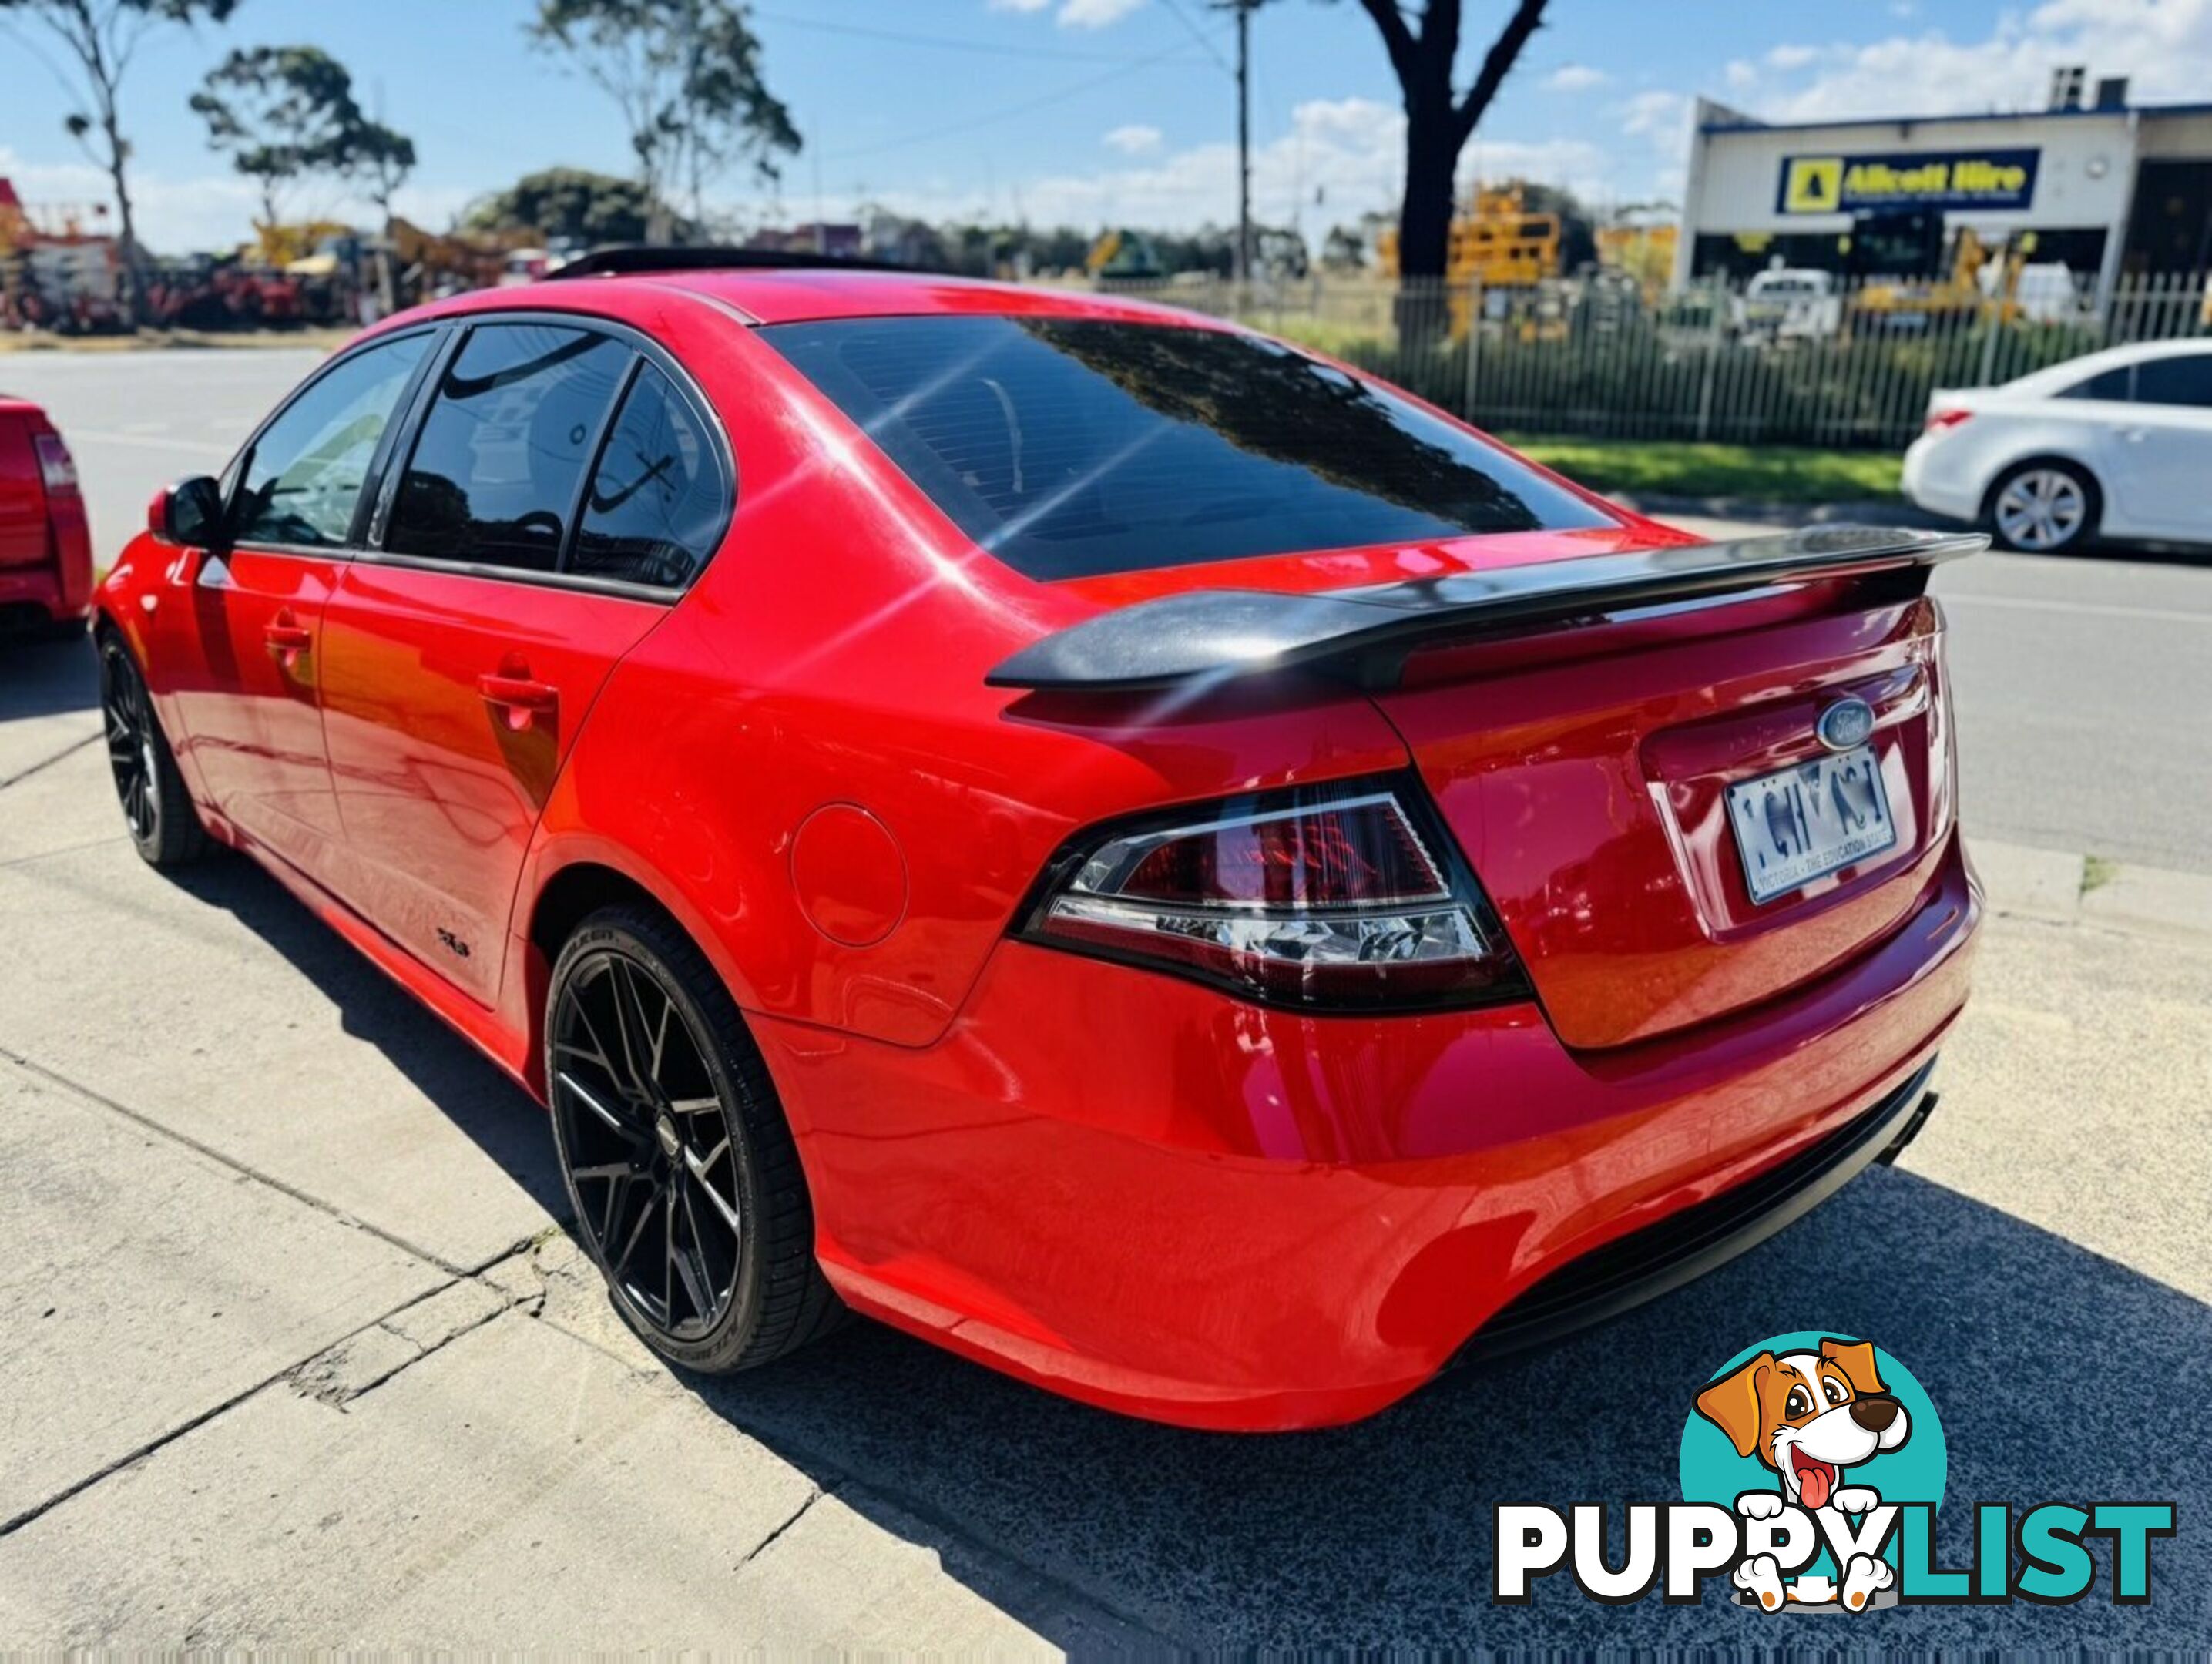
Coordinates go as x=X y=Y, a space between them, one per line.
x=2081 y=684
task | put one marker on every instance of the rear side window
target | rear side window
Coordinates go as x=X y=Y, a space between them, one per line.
x=1071 y=447
x=2185 y=380
x=659 y=498
x=304 y=477
x=501 y=457
x=2106 y=384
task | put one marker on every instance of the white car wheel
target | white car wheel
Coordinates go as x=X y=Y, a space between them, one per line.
x=2041 y=508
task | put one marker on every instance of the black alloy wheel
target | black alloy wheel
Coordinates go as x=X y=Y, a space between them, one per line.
x=165 y=829
x=677 y=1161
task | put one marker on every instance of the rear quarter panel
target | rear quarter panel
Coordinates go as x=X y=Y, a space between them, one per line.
x=22 y=498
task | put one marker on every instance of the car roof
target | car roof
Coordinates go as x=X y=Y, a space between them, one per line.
x=2066 y=373
x=790 y=295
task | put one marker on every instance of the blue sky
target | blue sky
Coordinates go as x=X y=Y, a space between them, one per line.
x=1097 y=112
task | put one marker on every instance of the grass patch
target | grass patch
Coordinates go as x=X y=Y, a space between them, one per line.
x=2097 y=873
x=1766 y=473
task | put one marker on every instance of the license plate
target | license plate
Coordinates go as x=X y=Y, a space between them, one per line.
x=1799 y=823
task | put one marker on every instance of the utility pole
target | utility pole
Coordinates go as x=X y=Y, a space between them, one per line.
x=1243 y=9
x=1243 y=142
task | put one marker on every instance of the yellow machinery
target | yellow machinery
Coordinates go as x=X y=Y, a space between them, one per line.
x=1124 y=255
x=1497 y=243
x=280 y=245
x=1644 y=252
x=1962 y=293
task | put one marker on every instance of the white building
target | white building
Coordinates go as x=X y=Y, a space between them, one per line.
x=2108 y=189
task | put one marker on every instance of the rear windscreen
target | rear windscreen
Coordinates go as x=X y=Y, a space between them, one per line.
x=1071 y=447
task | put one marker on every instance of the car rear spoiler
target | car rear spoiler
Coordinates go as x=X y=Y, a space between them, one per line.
x=1220 y=634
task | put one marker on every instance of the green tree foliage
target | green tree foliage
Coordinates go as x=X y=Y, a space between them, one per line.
x=281 y=112
x=572 y=204
x=102 y=38
x=686 y=75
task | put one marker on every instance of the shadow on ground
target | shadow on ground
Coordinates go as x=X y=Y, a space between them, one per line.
x=2060 y=1376
x=47 y=679
x=482 y=1103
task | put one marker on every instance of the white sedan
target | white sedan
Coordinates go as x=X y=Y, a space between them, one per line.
x=2117 y=443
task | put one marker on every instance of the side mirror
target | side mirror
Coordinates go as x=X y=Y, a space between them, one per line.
x=189 y=511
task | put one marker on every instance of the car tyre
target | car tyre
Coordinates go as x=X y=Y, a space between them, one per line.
x=678 y=1163
x=165 y=827
x=2043 y=507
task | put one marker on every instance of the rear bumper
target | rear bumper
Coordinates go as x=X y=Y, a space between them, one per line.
x=1147 y=1196
x=1926 y=482
x=38 y=594
x=1705 y=1236
x=55 y=590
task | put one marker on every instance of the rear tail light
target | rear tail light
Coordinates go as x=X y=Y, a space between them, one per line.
x=1941 y=422
x=1348 y=897
x=56 y=466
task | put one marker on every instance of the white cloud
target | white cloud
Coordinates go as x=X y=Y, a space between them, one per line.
x=206 y=212
x=2164 y=47
x=1576 y=78
x=1096 y=14
x=1656 y=114
x=1740 y=73
x=1019 y=5
x=1135 y=139
x=1349 y=151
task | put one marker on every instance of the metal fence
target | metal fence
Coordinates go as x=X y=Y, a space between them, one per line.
x=1756 y=362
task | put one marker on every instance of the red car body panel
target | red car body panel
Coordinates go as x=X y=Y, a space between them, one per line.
x=45 y=542
x=1125 y=1187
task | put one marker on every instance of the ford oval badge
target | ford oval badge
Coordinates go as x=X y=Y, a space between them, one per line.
x=1846 y=724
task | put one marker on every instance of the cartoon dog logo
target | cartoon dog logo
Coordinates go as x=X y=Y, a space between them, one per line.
x=1809 y=1417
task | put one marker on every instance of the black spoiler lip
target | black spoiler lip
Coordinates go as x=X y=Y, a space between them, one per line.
x=1221 y=633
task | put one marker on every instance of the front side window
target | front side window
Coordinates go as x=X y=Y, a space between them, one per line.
x=305 y=475
x=495 y=470
x=1072 y=448
x=2183 y=379
x=658 y=499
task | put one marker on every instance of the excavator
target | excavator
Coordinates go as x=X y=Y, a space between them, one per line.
x=1980 y=280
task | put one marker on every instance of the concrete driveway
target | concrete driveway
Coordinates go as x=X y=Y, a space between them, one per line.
x=299 y=1352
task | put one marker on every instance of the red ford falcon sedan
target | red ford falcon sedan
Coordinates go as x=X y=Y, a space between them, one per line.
x=1140 y=854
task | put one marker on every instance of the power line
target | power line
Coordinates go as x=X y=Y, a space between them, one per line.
x=1199 y=35
x=955 y=43
x=1008 y=113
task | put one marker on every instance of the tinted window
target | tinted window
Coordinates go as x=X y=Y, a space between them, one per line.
x=305 y=473
x=1069 y=447
x=2106 y=384
x=2186 y=380
x=657 y=502
x=501 y=454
